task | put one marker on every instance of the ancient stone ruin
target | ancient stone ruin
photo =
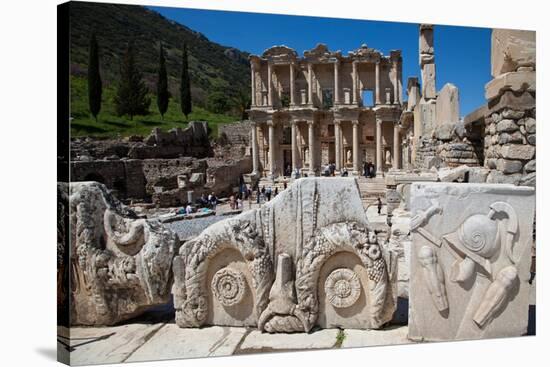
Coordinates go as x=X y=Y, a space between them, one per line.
x=306 y=258
x=120 y=265
x=470 y=260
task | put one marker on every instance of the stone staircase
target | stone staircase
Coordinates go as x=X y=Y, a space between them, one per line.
x=371 y=189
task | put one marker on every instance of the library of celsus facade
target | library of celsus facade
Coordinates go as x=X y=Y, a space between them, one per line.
x=325 y=108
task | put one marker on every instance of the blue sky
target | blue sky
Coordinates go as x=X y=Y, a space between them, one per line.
x=462 y=54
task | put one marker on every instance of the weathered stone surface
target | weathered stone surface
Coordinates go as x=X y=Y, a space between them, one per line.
x=530 y=125
x=511 y=49
x=507 y=126
x=509 y=166
x=467 y=281
x=497 y=177
x=530 y=166
x=428 y=81
x=427 y=117
x=393 y=335
x=478 y=174
x=532 y=139
x=529 y=180
x=312 y=214
x=445 y=131
x=453 y=174
x=120 y=265
x=173 y=342
x=523 y=101
x=257 y=341
x=515 y=82
x=505 y=138
x=447 y=105
x=512 y=114
x=516 y=151
x=109 y=344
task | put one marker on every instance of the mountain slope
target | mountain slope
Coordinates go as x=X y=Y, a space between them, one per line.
x=211 y=66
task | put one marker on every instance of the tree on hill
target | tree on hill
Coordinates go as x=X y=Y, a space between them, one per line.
x=185 y=87
x=242 y=103
x=131 y=97
x=95 y=87
x=163 y=95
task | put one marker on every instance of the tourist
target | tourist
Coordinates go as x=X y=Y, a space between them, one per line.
x=276 y=191
x=188 y=209
x=284 y=185
x=239 y=203
x=213 y=201
x=232 y=202
x=379 y=205
x=332 y=169
x=258 y=196
x=268 y=193
x=366 y=169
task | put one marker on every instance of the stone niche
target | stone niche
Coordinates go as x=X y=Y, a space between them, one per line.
x=306 y=258
x=120 y=265
x=470 y=260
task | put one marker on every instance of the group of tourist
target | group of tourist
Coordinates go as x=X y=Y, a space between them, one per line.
x=265 y=194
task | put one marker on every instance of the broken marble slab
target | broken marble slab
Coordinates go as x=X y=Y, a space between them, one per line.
x=470 y=260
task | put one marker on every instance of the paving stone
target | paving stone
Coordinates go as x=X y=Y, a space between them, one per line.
x=173 y=342
x=256 y=341
x=387 y=336
x=99 y=345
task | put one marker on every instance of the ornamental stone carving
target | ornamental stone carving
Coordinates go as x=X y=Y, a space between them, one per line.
x=229 y=287
x=470 y=260
x=120 y=264
x=342 y=288
x=316 y=226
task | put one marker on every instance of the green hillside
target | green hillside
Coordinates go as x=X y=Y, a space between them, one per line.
x=212 y=67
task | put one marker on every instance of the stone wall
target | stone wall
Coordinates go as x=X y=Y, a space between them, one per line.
x=510 y=123
x=124 y=176
x=189 y=142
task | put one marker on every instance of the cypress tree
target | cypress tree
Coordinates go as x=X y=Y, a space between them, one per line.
x=162 y=85
x=131 y=98
x=185 y=88
x=94 y=79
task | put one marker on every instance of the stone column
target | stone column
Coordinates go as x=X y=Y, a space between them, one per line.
x=355 y=153
x=269 y=88
x=379 y=161
x=309 y=84
x=294 y=147
x=271 y=135
x=336 y=83
x=338 y=144
x=396 y=150
x=395 y=84
x=354 y=81
x=311 y=141
x=253 y=84
x=292 y=97
x=255 y=156
x=377 y=81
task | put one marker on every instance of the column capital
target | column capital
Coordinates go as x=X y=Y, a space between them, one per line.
x=270 y=123
x=293 y=121
x=355 y=122
x=310 y=122
x=378 y=120
x=337 y=122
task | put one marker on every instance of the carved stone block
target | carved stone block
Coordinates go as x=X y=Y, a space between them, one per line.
x=470 y=260
x=305 y=258
x=120 y=265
